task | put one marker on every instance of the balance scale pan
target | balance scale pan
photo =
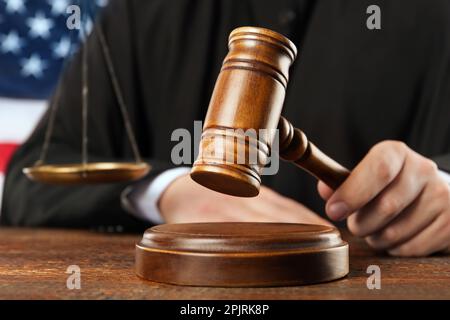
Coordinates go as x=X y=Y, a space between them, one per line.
x=91 y=173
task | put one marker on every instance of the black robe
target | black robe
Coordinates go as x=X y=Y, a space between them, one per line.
x=350 y=88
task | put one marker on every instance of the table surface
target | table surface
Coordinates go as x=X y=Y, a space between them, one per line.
x=33 y=265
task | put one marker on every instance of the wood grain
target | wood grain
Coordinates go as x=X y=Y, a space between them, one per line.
x=33 y=265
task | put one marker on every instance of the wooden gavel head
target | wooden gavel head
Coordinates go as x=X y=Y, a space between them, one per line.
x=244 y=117
x=248 y=97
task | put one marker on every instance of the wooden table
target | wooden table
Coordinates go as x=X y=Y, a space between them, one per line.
x=33 y=265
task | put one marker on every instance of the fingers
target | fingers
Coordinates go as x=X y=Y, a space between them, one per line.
x=415 y=218
x=278 y=208
x=325 y=191
x=390 y=202
x=396 y=199
x=184 y=201
x=434 y=238
x=377 y=170
x=296 y=213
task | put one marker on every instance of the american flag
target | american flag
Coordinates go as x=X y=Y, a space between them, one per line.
x=34 y=43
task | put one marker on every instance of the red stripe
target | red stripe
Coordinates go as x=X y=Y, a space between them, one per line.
x=6 y=151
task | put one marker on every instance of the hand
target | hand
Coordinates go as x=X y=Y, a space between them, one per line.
x=396 y=199
x=186 y=201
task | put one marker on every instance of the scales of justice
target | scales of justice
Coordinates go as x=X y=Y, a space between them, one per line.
x=86 y=172
x=223 y=254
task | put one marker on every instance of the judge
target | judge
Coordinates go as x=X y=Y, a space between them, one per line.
x=376 y=100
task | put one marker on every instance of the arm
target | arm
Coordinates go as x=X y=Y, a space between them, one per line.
x=142 y=200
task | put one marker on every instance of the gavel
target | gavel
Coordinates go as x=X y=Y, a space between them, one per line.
x=248 y=97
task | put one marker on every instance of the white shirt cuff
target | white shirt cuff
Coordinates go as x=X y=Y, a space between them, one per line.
x=141 y=199
x=445 y=176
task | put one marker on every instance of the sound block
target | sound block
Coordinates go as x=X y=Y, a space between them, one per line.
x=241 y=254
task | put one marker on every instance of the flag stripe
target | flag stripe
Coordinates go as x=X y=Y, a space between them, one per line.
x=6 y=151
x=18 y=118
x=2 y=178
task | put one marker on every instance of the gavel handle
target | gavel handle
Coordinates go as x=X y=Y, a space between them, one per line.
x=295 y=147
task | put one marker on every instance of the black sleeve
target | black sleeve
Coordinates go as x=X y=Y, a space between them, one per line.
x=28 y=203
x=443 y=162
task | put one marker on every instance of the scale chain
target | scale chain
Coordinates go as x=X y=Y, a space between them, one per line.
x=118 y=92
x=85 y=100
x=54 y=105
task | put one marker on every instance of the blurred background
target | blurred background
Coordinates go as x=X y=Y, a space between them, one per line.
x=35 y=42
